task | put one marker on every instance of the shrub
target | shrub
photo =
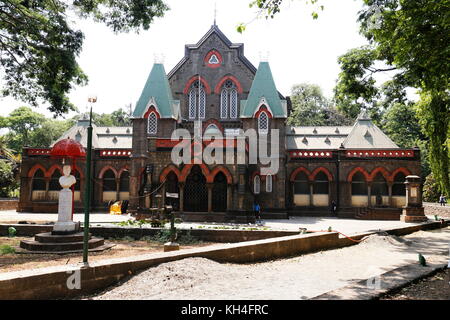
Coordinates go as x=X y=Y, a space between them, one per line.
x=431 y=191
x=5 y=249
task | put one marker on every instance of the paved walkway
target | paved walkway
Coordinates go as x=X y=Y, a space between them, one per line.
x=346 y=226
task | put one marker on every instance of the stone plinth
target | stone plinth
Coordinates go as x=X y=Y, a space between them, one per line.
x=65 y=225
x=412 y=214
x=171 y=246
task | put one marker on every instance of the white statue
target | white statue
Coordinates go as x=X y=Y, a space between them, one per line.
x=65 y=223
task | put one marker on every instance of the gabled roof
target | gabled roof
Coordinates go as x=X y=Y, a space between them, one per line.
x=102 y=137
x=263 y=88
x=366 y=135
x=213 y=30
x=157 y=91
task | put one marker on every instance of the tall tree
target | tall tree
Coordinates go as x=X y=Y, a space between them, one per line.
x=39 y=45
x=311 y=108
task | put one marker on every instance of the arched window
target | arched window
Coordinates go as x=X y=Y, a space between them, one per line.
x=321 y=184
x=379 y=186
x=152 y=123
x=228 y=100
x=197 y=100
x=301 y=184
x=124 y=184
x=263 y=123
x=398 y=188
x=359 y=184
x=256 y=184
x=269 y=183
x=54 y=181
x=38 y=180
x=109 y=181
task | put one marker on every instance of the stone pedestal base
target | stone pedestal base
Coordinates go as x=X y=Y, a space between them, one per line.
x=411 y=214
x=171 y=246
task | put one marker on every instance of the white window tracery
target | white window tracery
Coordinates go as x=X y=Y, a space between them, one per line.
x=152 y=123
x=269 y=183
x=228 y=100
x=197 y=101
x=256 y=184
x=263 y=123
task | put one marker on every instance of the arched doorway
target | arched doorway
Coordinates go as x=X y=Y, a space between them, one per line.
x=219 y=193
x=172 y=188
x=195 y=192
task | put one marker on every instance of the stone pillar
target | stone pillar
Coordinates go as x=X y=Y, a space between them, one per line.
x=369 y=194
x=390 y=194
x=209 y=186
x=181 y=185
x=311 y=192
x=229 y=197
x=413 y=211
x=117 y=188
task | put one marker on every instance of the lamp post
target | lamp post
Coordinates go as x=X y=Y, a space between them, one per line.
x=87 y=195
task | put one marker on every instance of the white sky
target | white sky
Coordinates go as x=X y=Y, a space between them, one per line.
x=300 y=49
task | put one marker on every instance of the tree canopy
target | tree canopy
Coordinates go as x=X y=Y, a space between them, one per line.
x=39 y=45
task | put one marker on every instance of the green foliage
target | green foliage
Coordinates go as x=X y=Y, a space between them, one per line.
x=39 y=44
x=434 y=117
x=12 y=232
x=311 y=108
x=8 y=182
x=431 y=189
x=6 y=249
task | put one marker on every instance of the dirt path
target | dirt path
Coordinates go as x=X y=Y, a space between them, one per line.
x=295 y=278
x=122 y=248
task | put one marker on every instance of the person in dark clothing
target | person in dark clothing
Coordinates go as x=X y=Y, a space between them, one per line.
x=333 y=207
x=257 y=210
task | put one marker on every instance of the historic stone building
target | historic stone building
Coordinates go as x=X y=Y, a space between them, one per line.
x=215 y=91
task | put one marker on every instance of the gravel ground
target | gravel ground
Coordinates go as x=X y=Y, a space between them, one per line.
x=435 y=287
x=300 y=277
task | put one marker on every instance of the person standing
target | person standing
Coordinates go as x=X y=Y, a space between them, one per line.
x=257 y=210
x=442 y=200
x=333 y=208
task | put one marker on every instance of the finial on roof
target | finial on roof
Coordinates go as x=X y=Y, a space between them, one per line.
x=305 y=141
x=158 y=58
x=264 y=56
x=363 y=115
x=337 y=130
x=327 y=140
x=315 y=131
x=215 y=12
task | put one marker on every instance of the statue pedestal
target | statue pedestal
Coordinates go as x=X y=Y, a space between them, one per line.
x=411 y=214
x=65 y=225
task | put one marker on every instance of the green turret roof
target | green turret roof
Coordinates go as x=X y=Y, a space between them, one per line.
x=263 y=86
x=157 y=89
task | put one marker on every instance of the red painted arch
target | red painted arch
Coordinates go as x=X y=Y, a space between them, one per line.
x=263 y=108
x=187 y=169
x=355 y=170
x=297 y=171
x=52 y=169
x=195 y=78
x=383 y=171
x=150 y=110
x=312 y=177
x=125 y=168
x=216 y=170
x=405 y=171
x=170 y=168
x=219 y=85
x=106 y=168
x=35 y=168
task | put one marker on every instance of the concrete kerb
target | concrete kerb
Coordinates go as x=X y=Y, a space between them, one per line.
x=390 y=281
x=51 y=283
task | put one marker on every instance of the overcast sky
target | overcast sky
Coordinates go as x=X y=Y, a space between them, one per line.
x=300 y=49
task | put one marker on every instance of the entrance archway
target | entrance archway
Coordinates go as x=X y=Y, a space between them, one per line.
x=195 y=191
x=219 y=193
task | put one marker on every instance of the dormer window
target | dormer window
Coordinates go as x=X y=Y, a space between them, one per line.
x=263 y=123
x=152 y=123
x=228 y=100
x=197 y=101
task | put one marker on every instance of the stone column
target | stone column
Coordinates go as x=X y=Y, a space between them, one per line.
x=369 y=194
x=181 y=185
x=229 y=196
x=390 y=193
x=311 y=192
x=209 y=186
x=117 y=188
x=413 y=211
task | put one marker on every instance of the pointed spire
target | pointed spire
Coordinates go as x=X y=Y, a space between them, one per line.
x=157 y=91
x=263 y=86
x=363 y=115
